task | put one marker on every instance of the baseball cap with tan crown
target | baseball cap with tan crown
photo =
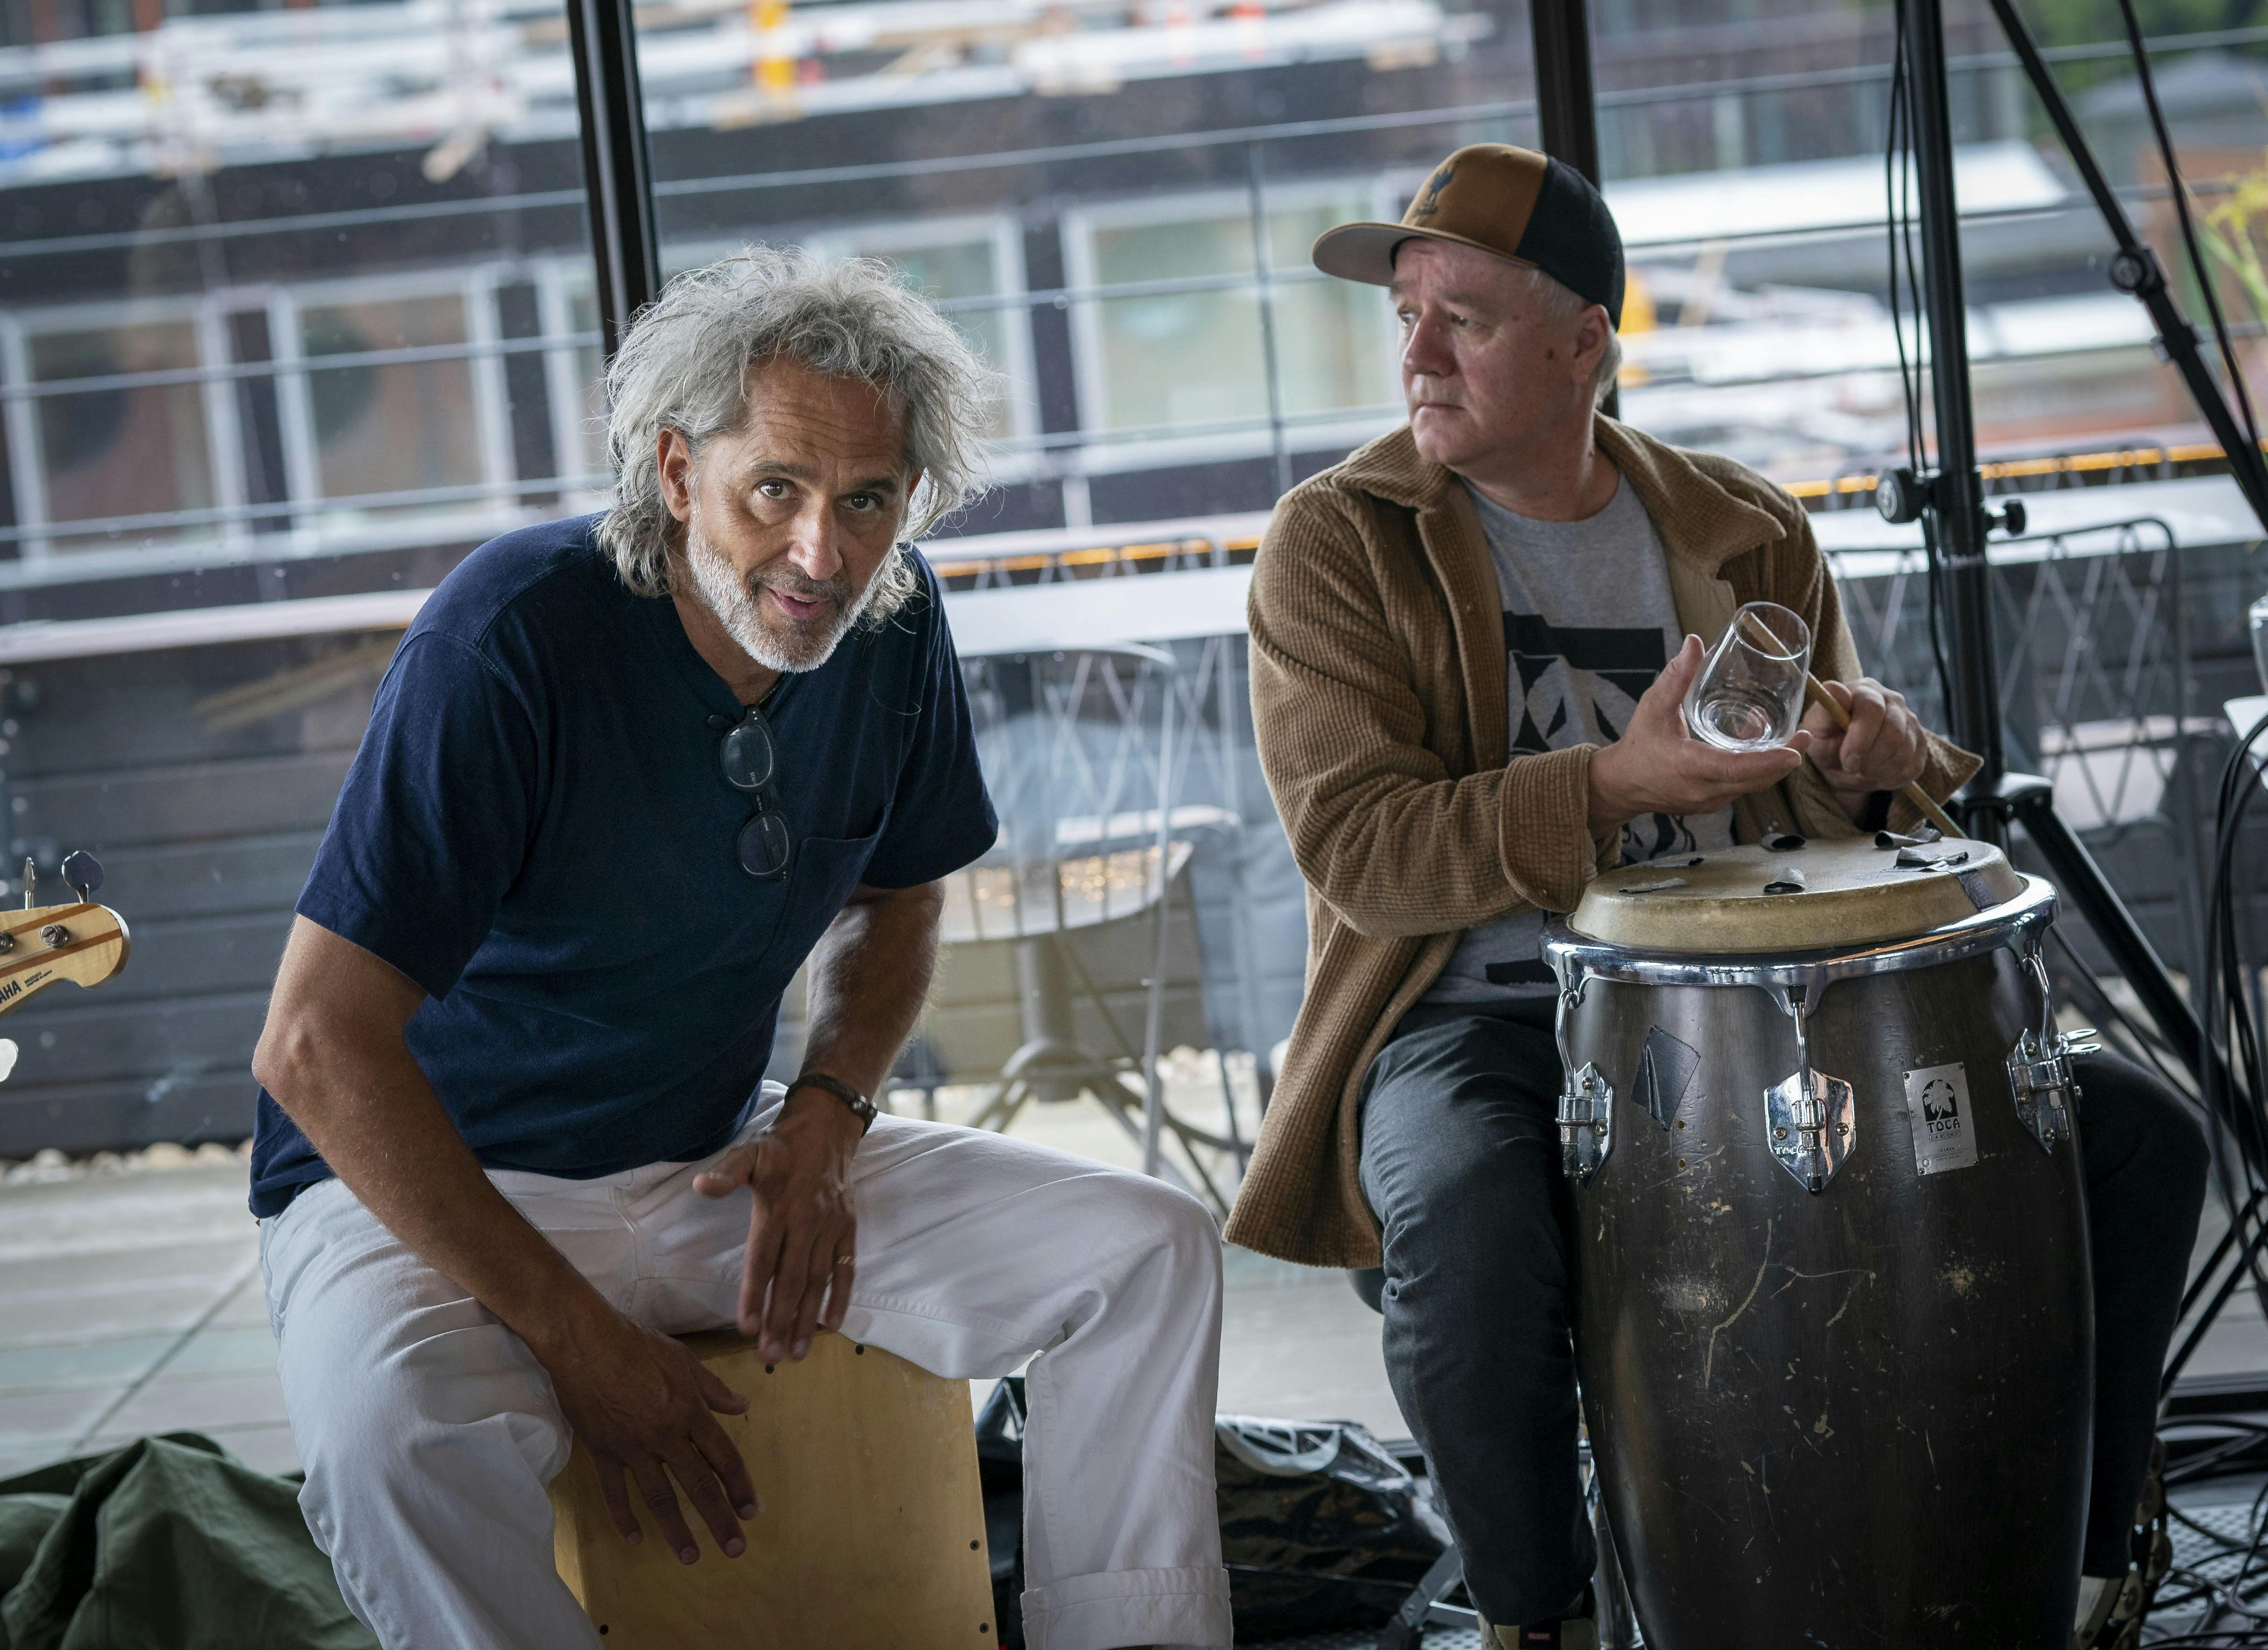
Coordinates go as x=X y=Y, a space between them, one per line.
x=1514 y=203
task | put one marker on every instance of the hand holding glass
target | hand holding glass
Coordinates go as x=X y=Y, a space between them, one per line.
x=1750 y=693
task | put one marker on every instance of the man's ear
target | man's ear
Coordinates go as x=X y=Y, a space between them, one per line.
x=673 y=455
x=1591 y=331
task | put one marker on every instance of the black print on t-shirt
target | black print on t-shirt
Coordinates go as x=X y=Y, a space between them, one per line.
x=1613 y=666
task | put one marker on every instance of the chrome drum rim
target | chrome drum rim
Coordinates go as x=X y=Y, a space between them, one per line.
x=2019 y=924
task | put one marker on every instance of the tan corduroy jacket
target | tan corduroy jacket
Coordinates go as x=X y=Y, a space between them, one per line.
x=1378 y=696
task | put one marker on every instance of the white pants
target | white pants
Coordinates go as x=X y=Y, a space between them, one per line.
x=429 y=1431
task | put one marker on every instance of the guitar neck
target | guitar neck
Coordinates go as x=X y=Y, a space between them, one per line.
x=83 y=942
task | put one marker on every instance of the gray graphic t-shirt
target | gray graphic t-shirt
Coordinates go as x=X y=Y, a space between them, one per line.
x=1588 y=625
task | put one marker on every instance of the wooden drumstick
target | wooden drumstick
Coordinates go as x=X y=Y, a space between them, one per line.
x=1912 y=790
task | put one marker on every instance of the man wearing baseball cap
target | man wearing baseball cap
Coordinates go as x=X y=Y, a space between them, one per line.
x=1470 y=642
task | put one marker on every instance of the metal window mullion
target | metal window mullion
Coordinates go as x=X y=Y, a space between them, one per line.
x=1019 y=364
x=26 y=463
x=491 y=395
x=1257 y=188
x=562 y=383
x=224 y=429
x=1090 y=384
x=1566 y=105
x=617 y=177
x=295 y=410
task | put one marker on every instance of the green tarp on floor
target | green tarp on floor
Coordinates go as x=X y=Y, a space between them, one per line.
x=165 y=1544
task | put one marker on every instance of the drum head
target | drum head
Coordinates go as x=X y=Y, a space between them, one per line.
x=1840 y=895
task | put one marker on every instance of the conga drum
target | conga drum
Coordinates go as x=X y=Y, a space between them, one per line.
x=1834 y=1319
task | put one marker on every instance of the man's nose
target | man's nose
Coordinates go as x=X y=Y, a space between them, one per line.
x=1426 y=353
x=816 y=549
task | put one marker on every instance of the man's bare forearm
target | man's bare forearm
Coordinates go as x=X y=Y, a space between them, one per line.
x=356 y=1092
x=869 y=976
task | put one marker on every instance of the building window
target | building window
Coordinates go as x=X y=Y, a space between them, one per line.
x=1178 y=331
x=135 y=445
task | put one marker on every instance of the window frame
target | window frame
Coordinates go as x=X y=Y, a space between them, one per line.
x=1105 y=451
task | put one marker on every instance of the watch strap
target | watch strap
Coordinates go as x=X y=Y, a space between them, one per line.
x=860 y=1107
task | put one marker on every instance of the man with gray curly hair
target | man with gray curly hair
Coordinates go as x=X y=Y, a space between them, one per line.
x=625 y=775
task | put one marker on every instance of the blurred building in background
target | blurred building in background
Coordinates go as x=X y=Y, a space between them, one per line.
x=296 y=309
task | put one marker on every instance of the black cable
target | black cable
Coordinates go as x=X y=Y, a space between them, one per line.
x=2226 y=1006
x=1897 y=190
x=1897 y=181
x=2232 y=1087
x=2180 y=192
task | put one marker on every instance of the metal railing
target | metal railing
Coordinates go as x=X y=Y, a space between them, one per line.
x=2105 y=692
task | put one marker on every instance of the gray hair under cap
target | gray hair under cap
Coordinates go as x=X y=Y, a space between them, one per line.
x=684 y=366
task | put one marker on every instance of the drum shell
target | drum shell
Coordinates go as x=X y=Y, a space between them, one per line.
x=1861 y=1417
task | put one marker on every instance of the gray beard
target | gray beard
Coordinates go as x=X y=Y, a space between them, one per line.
x=734 y=600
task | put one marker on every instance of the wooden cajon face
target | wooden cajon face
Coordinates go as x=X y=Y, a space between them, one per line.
x=871 y=1531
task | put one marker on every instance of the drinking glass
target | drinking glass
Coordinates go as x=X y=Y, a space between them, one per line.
x=1750 y=693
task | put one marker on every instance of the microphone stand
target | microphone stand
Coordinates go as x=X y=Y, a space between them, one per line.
x=1951 y=498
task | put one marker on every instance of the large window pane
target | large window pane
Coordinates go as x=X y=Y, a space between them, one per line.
x=287 y=310
x=1114 y=203
x=121 y=427
x=389 y=426
x=1199 y=341
x=964 y=268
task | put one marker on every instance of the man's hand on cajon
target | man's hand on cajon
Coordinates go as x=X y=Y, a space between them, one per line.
x=802 y=1232
x=640 y=1402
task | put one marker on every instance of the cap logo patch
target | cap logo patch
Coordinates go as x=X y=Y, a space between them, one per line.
x=1430 y=203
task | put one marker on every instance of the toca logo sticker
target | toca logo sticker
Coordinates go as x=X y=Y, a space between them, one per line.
x=1937 y=1103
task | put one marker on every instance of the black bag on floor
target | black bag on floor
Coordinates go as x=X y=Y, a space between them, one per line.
x=1000 y=1469
x=1320 y=1527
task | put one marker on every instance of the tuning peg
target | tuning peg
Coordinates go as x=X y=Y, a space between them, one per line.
x=83 y=871
x=31 y=880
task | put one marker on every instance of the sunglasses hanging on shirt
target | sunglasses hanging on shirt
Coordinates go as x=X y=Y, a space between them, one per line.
x=750 y=763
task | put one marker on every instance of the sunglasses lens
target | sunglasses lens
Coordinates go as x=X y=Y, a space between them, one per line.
x=764 y=845
x=747 y=753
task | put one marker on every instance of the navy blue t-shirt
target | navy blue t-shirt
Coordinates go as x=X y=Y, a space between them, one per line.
x=537 y=831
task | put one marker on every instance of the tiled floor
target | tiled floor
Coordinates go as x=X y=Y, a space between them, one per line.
x=132 y=1303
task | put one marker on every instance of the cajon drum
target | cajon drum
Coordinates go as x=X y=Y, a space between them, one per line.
x=871 y=1531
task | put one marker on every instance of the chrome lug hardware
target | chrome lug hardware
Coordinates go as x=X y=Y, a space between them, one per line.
x=1812 y=1131
x=1586 y=1100
x=1585 y=1122
x=2039 y=1066
x=2040 y=1077
x=1809 y=1117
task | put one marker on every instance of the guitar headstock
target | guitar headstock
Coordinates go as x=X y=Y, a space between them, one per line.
x=82 y=942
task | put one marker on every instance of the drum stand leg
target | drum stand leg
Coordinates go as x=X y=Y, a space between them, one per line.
x=1618 y=1628
x=1617 y=1621
x=1424 y=1608
x=1610 y=1597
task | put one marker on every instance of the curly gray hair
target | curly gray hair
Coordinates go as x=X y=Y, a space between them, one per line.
x=684 y=366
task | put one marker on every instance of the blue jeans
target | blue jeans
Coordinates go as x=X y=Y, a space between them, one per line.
x=1461 y=1163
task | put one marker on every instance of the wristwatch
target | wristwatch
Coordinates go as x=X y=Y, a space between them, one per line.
x=861 y=1107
